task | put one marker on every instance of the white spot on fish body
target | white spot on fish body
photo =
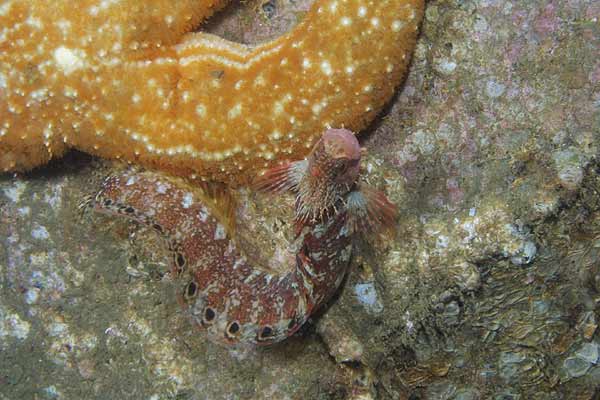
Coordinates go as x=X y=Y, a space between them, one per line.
x=187 y=200
x=238 y=262
x=253 y=275
x=161 y=188
x=220 y=232
x=203 y=214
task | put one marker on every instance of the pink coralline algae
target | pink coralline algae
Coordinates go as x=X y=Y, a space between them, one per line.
x=226 y=294
x=547 y=22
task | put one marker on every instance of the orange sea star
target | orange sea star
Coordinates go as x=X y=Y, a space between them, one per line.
x=127 y=80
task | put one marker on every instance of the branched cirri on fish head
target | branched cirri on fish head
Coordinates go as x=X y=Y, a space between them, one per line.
x=226 y=294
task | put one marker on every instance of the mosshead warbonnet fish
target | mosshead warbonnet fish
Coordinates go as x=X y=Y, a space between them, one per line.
x=234 y=300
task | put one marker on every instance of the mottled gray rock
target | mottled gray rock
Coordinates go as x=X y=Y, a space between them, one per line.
x=488 y=289
x=576 y=367
x=466 y=394
x=589 y=352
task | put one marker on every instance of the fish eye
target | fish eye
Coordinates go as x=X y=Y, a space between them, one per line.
x=342 y=164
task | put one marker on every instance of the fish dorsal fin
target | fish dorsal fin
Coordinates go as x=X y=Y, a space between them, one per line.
x=222 y=203
x=282 y=178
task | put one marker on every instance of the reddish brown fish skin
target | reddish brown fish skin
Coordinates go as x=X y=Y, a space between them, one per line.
x=234 y=290
x=236 y=302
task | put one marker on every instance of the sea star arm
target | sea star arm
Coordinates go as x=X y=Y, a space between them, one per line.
x=192 y=103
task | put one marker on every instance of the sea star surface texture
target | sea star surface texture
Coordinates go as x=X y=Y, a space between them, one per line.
x=130 y=80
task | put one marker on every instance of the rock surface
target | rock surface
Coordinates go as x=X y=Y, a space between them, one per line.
x=489 y=289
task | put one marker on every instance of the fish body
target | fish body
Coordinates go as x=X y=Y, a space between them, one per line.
x=226 y=294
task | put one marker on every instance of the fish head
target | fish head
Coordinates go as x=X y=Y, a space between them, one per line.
x=341 y=154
